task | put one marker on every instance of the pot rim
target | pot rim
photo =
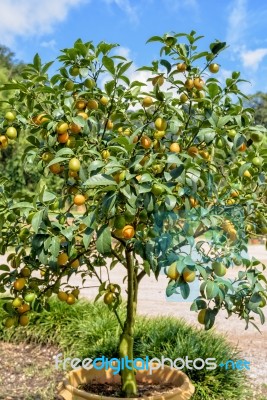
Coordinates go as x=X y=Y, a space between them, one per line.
x=187 y=384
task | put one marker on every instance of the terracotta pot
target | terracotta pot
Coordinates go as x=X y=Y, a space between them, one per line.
x=183 y=387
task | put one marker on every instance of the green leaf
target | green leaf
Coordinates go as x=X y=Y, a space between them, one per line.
x=63 y=152
x=185 y=290
x=4 y=267
x=57 y=160
x=124 y=68
x=37 y=62
x=166 y=64
x=155 y=39
x=103 y=241
x=22 y=204
x=170 y=201
x=217 y=47
x=211 y=289
x=100 y=180
x=48 y=196
x=54 y=246
x=109 y=64
x=37 y=219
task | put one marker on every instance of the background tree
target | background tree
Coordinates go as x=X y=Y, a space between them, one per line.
x=170 y=180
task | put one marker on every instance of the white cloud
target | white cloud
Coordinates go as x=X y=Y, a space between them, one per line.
x=50 y=44
x=32 y=17
x=125 y=6
x=237 y=22
x=252 y=58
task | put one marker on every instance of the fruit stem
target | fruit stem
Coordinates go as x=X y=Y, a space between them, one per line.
x=128 y=380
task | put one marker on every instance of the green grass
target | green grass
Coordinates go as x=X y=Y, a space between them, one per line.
x=90 y=330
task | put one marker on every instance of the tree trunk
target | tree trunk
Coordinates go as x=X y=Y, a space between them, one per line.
x=129 y=386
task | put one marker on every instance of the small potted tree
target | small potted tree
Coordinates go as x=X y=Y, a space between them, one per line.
x=164 y=175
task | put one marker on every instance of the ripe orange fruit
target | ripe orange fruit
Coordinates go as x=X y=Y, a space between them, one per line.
x=92 y=104
x=74 y=164
x=158 y=80
x=172 y=272
x=199 y=83
x=39 y=119
x=24 y=320
x=128 y=232
x=104 y=100
x=109 y=124
x=70 y=299
x=175 y=148
x=147 y=101
x=108 y=298
x=192 y=151
x=55 y=168
x=17 y=302
x=63 y=138
x=204 y=154
x=62 y=296
x=80 y=104
x=234 y=193
x=62 y=127
x=189 y=83
x=146 y=142
x=161 y=124
x=189 y=275
x=3 y=142
x=62 y=259
x=83 y=114
x=181 y=67
x=75 y=264
x=24 y=308
x=243 y=147
x=19 y=284
x=79 y=199
x=74 y=128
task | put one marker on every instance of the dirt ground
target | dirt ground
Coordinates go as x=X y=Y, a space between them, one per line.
x=28 y=371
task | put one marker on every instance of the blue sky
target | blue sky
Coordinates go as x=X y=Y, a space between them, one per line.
x=46 y=26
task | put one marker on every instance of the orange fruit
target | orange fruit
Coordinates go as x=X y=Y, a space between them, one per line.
x=92 y=105
x=19 y=284
x=199 y=83
x=192 y=151
x=74 y=164
x=23 y=308
x=147 y=101
x=201 y=316
x=62 y=259
x=104 y=100
x=146 y=142
x=161 y=124
x=128 y=232
x=105 y=154
x=63 y=138
x=189 y=275
x=62 y=296
x=181 y=67
x=55 y=168
x=158 y=80
x=243 y=147
x=74 y=128
x=80 y=104
x=24 y=320
x=172 y=272
x=71 y=299
x=108 y=298
x=62 y=127
x=83 y=114
x=175 y=148
x=109 y=124
x=79 y=199
x=75 y=264
x=193 y=201
x=3 y=142
x=189 y=83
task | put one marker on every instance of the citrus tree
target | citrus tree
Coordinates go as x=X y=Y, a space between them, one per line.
x=164 y=175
